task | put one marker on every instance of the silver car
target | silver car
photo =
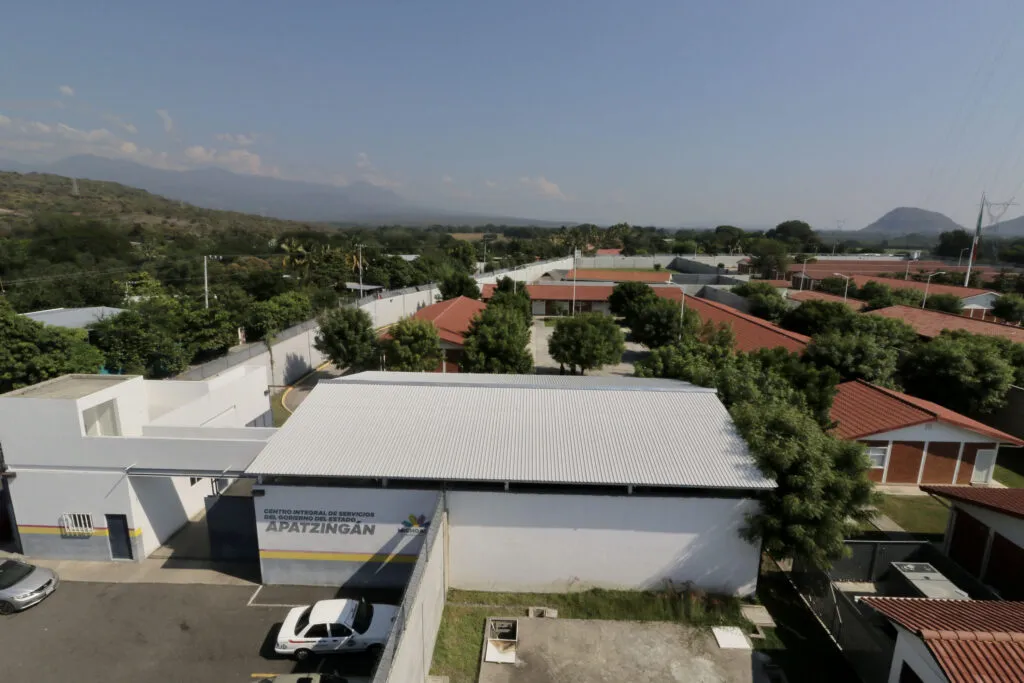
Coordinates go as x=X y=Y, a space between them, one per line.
x=23 y=585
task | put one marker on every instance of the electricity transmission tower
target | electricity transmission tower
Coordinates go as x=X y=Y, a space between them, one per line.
x=995 y=211
x=74 y=187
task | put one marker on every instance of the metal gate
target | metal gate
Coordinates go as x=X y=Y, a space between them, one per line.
x=231 y=524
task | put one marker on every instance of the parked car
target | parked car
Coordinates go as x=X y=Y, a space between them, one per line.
x=23 y=585
x=335 y=627
x=304 y=678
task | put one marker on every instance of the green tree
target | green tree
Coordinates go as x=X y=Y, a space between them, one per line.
x=347 y=338
x=464 y=254
x=947 y=303
x=660 y=322
x=587 y=341
x=206 y=332
x=31 y=352
x=1009 y=307
x=953 y=243
x=854 y=356
x=134 y=343
x=876 y=295
x=764 y=299
x=628 y=298
x=769 y=259
x=457 y=284
x=822 y=489
x=959 y=372
x=797 y=233
x=814 y=317
x=518 y=301
x=412 y=345
x=498 y=341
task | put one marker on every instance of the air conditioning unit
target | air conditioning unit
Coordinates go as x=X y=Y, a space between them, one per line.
x=921 y=579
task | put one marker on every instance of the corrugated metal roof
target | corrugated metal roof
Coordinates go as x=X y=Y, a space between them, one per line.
x=972 y=640
x=73 y=317
x=569 y=432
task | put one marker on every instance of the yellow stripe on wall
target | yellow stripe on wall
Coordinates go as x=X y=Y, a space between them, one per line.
x=57 y=531
x=337 y=557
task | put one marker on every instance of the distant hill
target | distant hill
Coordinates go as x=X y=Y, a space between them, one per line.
x=908 y=220
x=1011 y=228
x=215 y=188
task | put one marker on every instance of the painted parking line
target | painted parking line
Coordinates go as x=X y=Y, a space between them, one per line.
x=256 y=592
x=263 y=675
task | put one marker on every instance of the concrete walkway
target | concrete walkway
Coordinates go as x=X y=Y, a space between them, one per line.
x=150 y=571
x=888 y=525
x=297 y=393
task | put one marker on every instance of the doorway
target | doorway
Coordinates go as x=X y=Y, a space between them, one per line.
x=119 y=536
x=984 y=465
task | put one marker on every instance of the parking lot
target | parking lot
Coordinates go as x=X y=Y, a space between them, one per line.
x=127 y=633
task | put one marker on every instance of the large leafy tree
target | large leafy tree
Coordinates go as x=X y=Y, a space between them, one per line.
x=769 y=259
x=31 y=352
x=628 y=298
x=815 y=317
x=498 y=341
x=960 y=372
x=518 y=301
x=795 y=232
x=764 y=299
x=947 y=303
x=133 y=343
x=661 y=322
x=456 y=284
x=412 y=345
x=346 y=336
x=823 y=493
x=587 y=341
x=854 y=356
x=1009 y=307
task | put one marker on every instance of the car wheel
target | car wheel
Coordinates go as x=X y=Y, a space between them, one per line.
x=6 y=608
x=375 y=651
x=302 y=655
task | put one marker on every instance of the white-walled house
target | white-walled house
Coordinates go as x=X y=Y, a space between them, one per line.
x=105 y=467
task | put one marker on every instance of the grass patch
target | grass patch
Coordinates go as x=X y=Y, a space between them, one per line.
x=1007 y=477
x=460 y=639
x=916 y=514
x=1010 y=468
x=278 y=410
x=550 y=322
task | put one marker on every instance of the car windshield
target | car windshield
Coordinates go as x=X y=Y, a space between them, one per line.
x=364 y=617
x=12 y=571
x=303 y=620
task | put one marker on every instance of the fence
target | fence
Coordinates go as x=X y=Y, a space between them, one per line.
x=410 y=646
x=293 y=353
x=723 y=296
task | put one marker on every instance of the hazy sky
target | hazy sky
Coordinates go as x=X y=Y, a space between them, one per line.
x=671 y=112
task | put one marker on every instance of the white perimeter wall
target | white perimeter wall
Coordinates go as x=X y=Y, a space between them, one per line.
x=910 y=649
x=412 y=657
x=556 y=543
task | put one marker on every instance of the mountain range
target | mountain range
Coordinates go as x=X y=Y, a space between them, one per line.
x=215 y=188
x=908 y=220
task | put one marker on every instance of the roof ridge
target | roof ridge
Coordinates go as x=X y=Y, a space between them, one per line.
x=901 y=397
x=761 y=322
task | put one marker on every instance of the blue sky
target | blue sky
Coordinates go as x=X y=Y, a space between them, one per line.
x=668 y=113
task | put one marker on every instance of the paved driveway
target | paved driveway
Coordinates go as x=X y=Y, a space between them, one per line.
x=129 y=633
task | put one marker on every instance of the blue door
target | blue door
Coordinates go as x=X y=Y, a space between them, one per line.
x=119 y=537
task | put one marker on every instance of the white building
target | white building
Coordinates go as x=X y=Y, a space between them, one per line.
x=552 y=483
x=107 y=467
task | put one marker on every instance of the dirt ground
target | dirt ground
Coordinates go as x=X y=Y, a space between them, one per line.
x=546 y=365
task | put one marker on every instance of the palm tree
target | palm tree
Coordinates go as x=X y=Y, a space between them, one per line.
x=296 y=257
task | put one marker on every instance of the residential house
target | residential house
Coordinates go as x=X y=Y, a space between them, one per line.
x=985 y=535
x=817 y=295
x=452 y=319
x=752 y=333
x=614 y=275
x=954 y=641
x=913 y=441
x=557 y=298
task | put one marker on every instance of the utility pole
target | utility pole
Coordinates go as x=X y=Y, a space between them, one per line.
x=682 y=312
x=575 y=254
x=974 y=242
x=206 y=282
x=359 y=247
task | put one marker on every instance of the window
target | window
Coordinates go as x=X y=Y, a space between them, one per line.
x=302 y=621
x=76 y=524
x=363 y=618
x=340 y=631
x=908 y=675
x=876 y=454
x=316 y=631
x=192 y=481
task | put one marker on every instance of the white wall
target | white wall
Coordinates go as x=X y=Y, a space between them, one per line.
x=230 y=400
x=41 y=496
x=162 y=505
x=538 y=307
x=556 y=543
x=910 y=649
x=932 y=431
x=129 y=396
x=984 y=300
x=412 y=657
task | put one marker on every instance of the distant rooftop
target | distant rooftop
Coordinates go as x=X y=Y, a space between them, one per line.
x=69 y=386
x=930 y=323
x=73 y=317
x=356 y=287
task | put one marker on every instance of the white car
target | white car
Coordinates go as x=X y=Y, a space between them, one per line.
x=334 y=627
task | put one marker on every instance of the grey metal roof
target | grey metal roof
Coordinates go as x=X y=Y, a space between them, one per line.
x=574 y=430
x=73 y=317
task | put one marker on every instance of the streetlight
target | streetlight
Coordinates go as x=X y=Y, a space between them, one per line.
x=961 y=256
x=928 y=282
x=846 y=289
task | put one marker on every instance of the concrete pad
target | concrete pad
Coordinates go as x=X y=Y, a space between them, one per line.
x=730 y=638
x=592 y=651
x=757 y=615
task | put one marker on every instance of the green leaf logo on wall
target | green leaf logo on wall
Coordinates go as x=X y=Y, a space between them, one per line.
x=415 y=525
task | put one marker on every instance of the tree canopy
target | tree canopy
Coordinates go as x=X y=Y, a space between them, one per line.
x=412 y=345
x=764 y=299
x=347 y=338
x=628 y=298
x=769 y=259
x=1009 y=307
x=457 y=284
x=587 y=341
x=660 y=322
x=498 y=341
x=814 y=317
x=854 y=356
x=963 y=373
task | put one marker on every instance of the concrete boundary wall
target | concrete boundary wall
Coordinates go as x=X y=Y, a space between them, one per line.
x=726 y=297
x=410 y=647
x=293 y=354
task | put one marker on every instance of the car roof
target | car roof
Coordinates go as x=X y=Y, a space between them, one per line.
x=332 y=611
x=305 y=678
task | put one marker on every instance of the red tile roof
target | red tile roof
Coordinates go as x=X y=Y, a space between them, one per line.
x=1007 y=501
x=452 y=317
x=612 y=275
x=814 y=295
x=973 y=641
x=752 y=333
x=933 y=288
x=823 y=269
x=609 y=252
x=863 y=409
x=781 y=284
x=584 y=292
x=929 y=323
